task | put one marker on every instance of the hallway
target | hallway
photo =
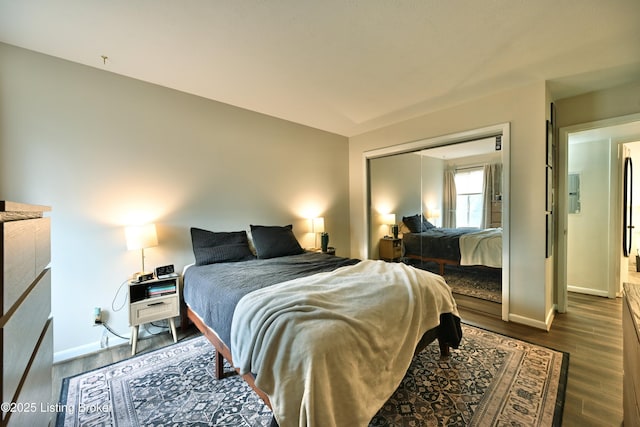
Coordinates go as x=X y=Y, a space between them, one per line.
x=634 y=276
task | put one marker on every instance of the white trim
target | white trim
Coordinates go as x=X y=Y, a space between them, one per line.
x=529 y=322
x=85 y=350
x=588 y=291
x=365 y=208
x=560 y=256
x=503 y=129
x=551 y=314
x=438 y=141
x=506 y=224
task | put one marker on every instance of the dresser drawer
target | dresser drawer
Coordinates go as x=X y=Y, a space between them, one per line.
x=21 y=333
x=34 y=389
x=26 y=251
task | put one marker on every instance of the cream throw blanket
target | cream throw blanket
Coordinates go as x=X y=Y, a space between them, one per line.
x=482 y=248
x=330 y=349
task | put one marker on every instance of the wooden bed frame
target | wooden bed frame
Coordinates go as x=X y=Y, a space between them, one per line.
x=440 y=261
x=223 y=352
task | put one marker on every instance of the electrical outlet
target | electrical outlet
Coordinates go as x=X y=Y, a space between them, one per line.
x=97 y=316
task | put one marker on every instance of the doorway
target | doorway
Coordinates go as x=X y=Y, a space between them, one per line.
x=630 y=265
x=590 y=253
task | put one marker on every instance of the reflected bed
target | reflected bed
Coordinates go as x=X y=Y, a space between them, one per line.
x=465 y=246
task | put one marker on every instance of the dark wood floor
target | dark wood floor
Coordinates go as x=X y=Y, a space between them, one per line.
x=111 y=355
x=591 y=331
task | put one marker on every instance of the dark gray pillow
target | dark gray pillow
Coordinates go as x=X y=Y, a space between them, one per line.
x=426 y=225
x=275 y=241
x=212 y=247
x=413 y=223
x=417 y=223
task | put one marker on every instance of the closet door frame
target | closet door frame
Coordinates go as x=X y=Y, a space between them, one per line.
x=503 y=130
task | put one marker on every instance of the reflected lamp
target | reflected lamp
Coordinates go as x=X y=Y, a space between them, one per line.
x=317 y=227
x=390 y=220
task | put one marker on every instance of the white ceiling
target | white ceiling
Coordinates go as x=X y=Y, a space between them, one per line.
x=345 y=66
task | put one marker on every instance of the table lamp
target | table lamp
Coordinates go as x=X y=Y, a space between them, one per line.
x=141 y=237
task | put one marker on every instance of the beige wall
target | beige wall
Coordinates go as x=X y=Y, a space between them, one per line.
x=594 y=106
x=588 y=240
x=525 y=109
x=105 y=151
x=395 y=181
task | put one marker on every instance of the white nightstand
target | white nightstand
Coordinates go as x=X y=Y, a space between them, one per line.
x=153 y=300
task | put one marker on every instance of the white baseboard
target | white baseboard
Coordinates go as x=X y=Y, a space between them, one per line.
x=94 y=347
x=528 y=321
x=588 y=291
x=85 y=350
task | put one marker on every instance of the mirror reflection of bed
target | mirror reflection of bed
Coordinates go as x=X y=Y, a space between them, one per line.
x=447 y=204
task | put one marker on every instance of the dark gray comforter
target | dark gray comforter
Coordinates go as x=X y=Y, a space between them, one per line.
x=443 y=243
x=213 y=291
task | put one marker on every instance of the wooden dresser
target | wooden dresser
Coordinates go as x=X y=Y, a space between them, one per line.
x=26 y=326
x=496 y=215
x=631 y=356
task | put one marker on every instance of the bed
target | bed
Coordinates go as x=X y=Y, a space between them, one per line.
x=314 y=333
x=467 y=246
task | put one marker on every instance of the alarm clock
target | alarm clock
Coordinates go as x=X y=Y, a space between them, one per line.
x=165 y=271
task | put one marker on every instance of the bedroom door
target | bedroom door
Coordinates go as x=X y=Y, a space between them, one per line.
x=594 y=258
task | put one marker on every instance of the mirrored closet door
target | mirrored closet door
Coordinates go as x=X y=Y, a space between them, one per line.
x=441 y=209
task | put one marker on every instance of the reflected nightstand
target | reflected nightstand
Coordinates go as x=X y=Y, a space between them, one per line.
x=390 y=249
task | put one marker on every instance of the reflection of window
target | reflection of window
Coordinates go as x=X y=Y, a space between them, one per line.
x=469 y=197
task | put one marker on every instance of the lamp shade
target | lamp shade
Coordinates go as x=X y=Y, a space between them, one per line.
x=389 y=219
x=141 y=236
x=433 y=213
x=317 y=225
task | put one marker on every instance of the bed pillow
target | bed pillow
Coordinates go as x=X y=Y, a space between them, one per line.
x=413 y=223
x=274 y=241
x=417 y=223
x=212 y=247
x=426 y=225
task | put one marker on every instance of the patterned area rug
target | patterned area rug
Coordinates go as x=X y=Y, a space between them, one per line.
x=484 y=283
x=478 y=282
x=490 y=380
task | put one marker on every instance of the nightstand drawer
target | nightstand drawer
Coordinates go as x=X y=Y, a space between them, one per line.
x=152 y=309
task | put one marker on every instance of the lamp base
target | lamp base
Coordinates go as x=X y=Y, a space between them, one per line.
x=142 y=276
